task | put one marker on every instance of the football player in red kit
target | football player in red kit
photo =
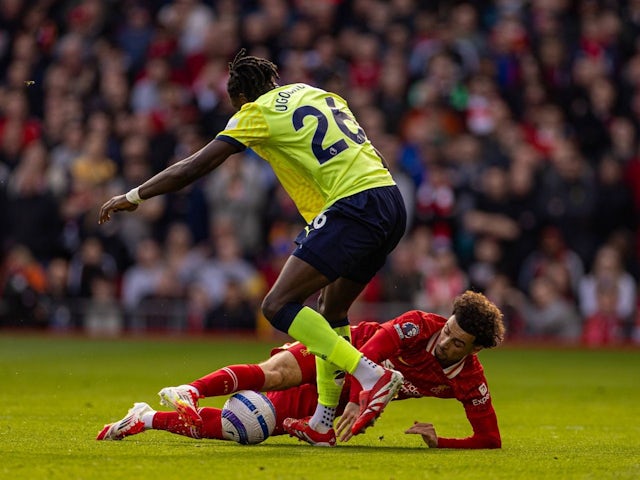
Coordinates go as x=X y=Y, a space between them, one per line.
x=437 y=357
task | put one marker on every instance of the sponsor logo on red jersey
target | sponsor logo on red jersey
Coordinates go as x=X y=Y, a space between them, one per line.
x=484 y=391
x=440 y=389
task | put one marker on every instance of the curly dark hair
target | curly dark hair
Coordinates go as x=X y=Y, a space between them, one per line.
x=251 y=76
x=478 y=316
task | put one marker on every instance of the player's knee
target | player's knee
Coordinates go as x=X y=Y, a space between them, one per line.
x=281 y=371
x=270 y=306
x=331 y=314
x=273 y=380
x=280 y=314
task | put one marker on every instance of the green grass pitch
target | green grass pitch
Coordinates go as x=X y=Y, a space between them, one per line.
x=567 y=414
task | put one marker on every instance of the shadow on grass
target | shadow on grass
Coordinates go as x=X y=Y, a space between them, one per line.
x=263 y=448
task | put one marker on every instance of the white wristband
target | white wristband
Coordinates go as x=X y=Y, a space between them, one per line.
x=133 y=196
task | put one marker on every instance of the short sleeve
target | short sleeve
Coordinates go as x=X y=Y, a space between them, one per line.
x=247 y=128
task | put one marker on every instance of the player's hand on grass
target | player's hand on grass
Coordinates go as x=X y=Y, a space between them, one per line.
x=116 y=204
x=428 y=432
x=343 y=427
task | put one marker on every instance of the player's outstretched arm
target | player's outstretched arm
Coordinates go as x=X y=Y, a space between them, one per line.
x=486 y=433
x=172 y=178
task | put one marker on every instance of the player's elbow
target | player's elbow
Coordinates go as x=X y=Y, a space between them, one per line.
x=493 y=441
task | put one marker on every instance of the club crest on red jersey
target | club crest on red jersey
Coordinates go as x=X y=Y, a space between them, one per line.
x=407 y=330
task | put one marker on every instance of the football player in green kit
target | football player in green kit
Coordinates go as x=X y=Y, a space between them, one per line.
x=355 y=215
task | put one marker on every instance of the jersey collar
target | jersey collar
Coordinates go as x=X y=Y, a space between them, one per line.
x=452 y=370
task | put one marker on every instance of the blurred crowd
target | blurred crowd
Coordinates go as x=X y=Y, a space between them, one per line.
x=512 y=128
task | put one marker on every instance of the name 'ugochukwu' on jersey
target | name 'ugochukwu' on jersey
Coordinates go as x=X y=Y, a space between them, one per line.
x=314 y=144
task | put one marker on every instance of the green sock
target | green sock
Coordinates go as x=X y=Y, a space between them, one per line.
x=329 y=377
x=311 y=328
x=329 y=386
x=344 y=332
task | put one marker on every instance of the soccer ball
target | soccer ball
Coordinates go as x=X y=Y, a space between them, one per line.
x=248 y=417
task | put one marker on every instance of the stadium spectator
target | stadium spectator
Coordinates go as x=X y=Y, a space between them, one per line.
x=435 y=203
x=164 y=309
x=566 y=192
x=236 y=312
x=180 y=254
x=608 y=269
x=509 y=300
x=492 y=213
x=18 y=128
x=189 y=20
x=444 y=365
x=604 y=326
x=135 y=34
x=56 y=299
x=77 y=72
x=328 y=69
x=226 y=265
x=132 y=230
x=147 y=91
x=142 y=278
x=447 y=281
x=614 y=200
x=89 y=262
x=389 y=146
x=62 y=156
x=22 y=284
x=551 y=250
x=622 y=139
x=102 y=316
x=486 y=262
x=235 y=193
x=550 y=315
x=189 y=205
x=402 y=279
x=424 y=246
x=31 y=210
x=523 y=190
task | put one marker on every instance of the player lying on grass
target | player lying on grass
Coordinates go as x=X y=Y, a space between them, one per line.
x=437 y=357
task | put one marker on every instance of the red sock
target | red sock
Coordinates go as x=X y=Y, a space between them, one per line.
x=170 y=422
x=211 y=424
x=230 y=379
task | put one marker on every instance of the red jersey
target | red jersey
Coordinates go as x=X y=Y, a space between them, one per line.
x=407 y=344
